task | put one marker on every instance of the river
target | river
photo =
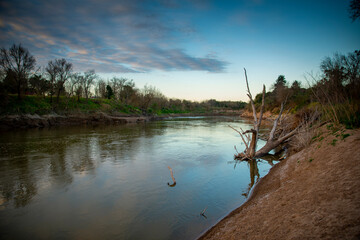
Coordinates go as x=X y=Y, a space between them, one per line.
x=111 y=182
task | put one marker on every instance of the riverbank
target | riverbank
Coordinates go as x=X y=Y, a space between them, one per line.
x=313 y=194
x=25 y=121
x=39 y=121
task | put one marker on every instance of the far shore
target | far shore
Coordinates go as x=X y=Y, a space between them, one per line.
x=26 y=121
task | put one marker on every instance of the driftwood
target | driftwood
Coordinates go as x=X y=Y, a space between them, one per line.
x=251 y=152
x=172 y=177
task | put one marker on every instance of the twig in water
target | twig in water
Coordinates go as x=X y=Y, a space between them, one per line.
x=172 y=176
x=203 y=212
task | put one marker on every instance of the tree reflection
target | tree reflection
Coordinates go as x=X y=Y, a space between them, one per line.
x=254 y=175
x=254 y=170
x=34 y=158
x=20 y=188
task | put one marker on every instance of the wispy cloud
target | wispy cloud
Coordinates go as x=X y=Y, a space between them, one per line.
x=109 y=36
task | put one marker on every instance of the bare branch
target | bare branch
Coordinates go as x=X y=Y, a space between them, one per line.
x=247 y=136
x=262 y=109
x=250 y=131
x=289 y=135
x=251 y=100
x=246 y=145
x=271 y=136
x=236 y=149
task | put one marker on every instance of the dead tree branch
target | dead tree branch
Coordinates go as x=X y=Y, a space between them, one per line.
x=250 y=152
x=241 y=135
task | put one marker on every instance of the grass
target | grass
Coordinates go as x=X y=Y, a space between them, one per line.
x=333 y=142
x=31 y=104
x=345 y=135
x=41 y=105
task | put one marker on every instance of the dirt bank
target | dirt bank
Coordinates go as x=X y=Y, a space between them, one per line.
x=24 y=121
x=36 y=121
x=314 y=194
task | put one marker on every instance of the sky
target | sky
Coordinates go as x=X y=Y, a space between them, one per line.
x=188 y=49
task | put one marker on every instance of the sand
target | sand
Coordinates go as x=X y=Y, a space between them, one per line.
x=313 y=194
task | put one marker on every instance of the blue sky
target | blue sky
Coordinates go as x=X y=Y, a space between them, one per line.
x=192 y=50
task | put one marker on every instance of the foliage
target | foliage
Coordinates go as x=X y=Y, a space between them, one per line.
x=109 y=92
x=335 y=92
x=16 y=63
x=354 y=9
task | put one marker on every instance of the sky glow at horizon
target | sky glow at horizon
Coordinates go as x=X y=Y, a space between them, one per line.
x=192 y=50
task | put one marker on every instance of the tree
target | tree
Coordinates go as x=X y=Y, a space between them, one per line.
x=338 y=88
x=109 y=92
x=251 y=151
x=341 y=77
x=100 y=89
x=280 y=82
x=39 y=84
x=280 y=89
x=59 y=71
x=88 y=81
x=72 y=84
x=354 y=9
x=117 y=85
x=18 y=62
x=151 y=97
x=296 y=85
x=128 y=92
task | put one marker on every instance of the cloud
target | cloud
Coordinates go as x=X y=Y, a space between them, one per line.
x=108 y=36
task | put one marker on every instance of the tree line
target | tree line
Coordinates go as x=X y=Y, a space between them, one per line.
x=335 y=91
x=19 y=75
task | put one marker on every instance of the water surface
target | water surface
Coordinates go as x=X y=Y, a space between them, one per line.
x=110 y=182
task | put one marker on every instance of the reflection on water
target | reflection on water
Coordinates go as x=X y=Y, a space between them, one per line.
x=113 y=181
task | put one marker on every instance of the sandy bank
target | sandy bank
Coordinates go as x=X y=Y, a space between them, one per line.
x=314 y=194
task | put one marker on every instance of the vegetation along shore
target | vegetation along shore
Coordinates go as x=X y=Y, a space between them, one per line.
x=316 y=125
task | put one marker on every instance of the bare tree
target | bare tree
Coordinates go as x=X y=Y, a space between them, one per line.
x=251 y=151
x=73 y=83
x=59 y=72
x=19 y=62
x=88 y=81
x=150 y=95
x=100 y=89
x=51 y=71
x=128 y=92
x=117 y=85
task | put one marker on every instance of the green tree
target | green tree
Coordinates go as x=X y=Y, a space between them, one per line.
x=39 y=84
x=296 y=85
x=280 y=89
x=109 y=92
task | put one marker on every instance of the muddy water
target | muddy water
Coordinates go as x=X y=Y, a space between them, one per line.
x=110 y=182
